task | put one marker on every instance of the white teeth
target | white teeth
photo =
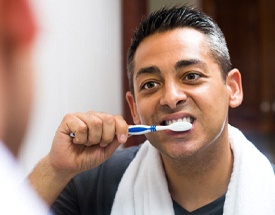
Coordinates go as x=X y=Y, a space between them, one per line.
x=185 y=119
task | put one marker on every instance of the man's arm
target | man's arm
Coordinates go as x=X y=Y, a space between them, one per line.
x=47 y=181
x=97 y=136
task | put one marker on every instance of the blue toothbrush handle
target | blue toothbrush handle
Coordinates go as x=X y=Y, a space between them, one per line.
x=135 y=130
x=140 y=129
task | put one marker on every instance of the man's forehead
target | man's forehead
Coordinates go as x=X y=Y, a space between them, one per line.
x=181 y=43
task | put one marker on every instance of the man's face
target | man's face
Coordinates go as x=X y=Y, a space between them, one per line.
x=175 y=78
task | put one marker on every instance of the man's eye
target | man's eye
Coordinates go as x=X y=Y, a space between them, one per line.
x=149 y=85
x=192 y=76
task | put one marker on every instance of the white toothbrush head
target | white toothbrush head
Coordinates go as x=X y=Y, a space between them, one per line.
x=180 y=126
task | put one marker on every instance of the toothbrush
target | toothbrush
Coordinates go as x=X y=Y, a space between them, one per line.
x=143 y=129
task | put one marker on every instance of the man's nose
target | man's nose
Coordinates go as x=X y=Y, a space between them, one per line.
x=173 y=94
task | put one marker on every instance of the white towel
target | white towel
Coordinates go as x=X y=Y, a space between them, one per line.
x=143 y=189
x=252 y=186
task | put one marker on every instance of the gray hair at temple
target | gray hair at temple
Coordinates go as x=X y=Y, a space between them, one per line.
x=167 y=19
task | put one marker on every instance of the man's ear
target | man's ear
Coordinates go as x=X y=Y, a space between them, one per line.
x=234 y=85
x=132 y=105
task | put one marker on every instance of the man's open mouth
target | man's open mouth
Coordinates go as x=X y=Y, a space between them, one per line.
x=184 y=119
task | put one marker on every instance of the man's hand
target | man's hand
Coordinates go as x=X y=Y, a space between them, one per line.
x=97 y=136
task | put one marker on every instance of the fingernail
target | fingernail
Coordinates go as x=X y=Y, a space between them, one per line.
x=123 y=138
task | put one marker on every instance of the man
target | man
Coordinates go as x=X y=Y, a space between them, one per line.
x=179 y=69
x=17 y=31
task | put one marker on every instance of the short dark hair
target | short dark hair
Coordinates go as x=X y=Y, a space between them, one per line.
x=182 y=16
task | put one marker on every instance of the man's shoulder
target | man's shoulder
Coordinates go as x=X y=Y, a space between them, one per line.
x=99 y=185
x=114 y=167
x=121 y=159
x=125 y=153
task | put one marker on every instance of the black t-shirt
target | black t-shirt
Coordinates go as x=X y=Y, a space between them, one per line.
x=93 y=192
x=213 y=208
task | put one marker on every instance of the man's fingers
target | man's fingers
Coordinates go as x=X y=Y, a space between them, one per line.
x=83 y=128
x=121 y=129
x=108 y=134
x=72 y=123
x=94 y=128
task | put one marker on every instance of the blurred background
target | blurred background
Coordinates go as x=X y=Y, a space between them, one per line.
x=79 y=59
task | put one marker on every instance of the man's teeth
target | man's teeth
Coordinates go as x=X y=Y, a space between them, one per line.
x=185 y=119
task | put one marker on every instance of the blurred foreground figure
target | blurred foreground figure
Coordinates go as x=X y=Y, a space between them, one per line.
x=17 y=31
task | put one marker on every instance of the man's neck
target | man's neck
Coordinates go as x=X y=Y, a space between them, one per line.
x=201 y=179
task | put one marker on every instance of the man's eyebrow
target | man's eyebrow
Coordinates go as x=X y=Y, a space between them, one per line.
x=189 y=62
x=178 y=65
x=148 y=70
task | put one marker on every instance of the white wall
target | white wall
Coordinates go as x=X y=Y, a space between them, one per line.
x=77 y=59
